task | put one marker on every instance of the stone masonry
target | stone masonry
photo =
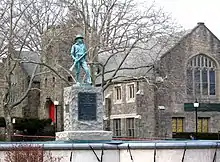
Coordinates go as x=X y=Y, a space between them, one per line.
x=171 y=93
x=141 y=108
x=173 y=64
x=71 y=121
x=91 y=126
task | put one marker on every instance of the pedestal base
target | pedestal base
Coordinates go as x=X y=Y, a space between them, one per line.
x=83 y=135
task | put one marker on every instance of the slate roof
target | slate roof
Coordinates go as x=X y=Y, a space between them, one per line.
x=187 y=33
x=148 y=54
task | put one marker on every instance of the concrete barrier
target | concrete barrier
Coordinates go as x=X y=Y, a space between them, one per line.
x=139 y=151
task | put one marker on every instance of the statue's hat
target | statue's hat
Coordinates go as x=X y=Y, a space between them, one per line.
x=78 y=36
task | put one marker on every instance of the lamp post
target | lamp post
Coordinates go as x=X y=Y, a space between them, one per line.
x=196 y=105
x=162 y=132
x=56 y=103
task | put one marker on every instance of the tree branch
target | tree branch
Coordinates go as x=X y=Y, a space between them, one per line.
x=49 y=67
x=27 y=91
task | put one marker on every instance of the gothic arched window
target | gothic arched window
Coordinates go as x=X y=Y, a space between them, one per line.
x=201 y=76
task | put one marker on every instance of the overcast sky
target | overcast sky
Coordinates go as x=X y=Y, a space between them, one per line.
x=188 y=12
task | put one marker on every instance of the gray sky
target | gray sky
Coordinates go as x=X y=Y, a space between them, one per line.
x=188 y=12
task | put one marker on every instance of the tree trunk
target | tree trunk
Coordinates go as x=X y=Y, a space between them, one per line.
x=108 y=107
x=9 y=125
x=92 y=73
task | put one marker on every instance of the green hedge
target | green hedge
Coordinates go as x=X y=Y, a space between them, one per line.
x=200 y=136
x=31 y=126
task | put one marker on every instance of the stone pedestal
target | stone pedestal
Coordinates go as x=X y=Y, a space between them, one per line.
x=83 y=114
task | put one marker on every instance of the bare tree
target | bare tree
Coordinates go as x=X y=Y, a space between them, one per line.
x=112 y=28
x=24 y=23
x=118 y=29
x=125 y=39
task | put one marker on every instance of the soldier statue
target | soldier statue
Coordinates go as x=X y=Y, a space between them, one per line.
x=78 y=53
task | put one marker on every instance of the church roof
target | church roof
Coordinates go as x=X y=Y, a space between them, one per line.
x=28 y=67
x=189 y=32
x=145 y=56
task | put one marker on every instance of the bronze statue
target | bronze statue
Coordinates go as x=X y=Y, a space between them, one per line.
x=78 y=53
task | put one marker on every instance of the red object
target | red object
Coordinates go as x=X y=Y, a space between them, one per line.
x=51 y=112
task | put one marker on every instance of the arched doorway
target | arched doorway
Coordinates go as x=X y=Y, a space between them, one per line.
x=50 y=109
x=51 y=112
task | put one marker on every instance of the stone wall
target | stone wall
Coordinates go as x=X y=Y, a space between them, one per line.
x=173 y=64
x=19 y=88
x=20 y=81
x=19 y=84
x=31 y=110
x=71 y=99
x=146 y=108
x=142 y=109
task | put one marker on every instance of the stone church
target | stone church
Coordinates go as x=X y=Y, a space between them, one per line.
x=186 y=73
x=159 y=107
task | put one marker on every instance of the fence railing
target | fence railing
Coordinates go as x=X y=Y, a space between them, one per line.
x=18 y=137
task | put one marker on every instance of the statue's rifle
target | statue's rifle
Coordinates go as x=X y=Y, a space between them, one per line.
x=76 y=62
x=71 y=68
